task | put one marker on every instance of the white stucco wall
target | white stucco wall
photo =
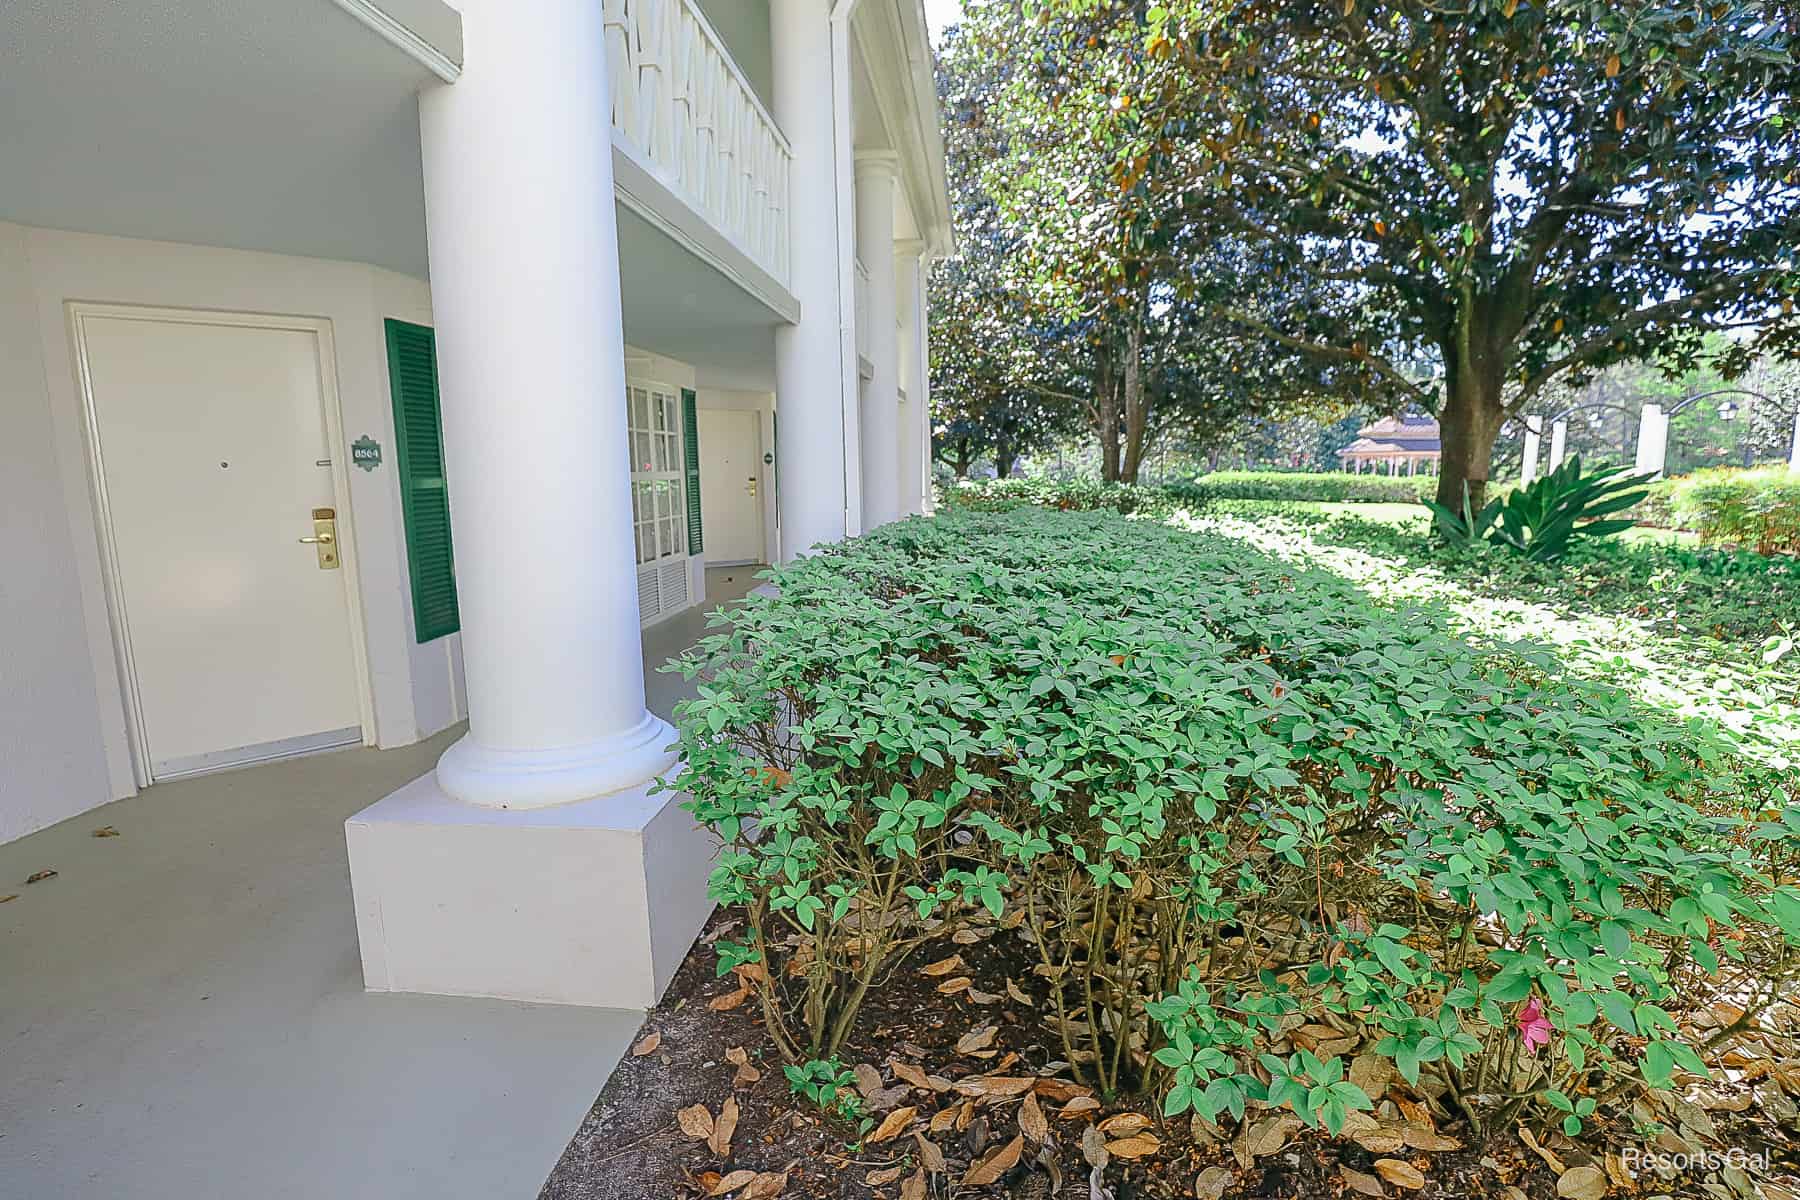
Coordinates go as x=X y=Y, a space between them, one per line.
x=53 y=762
x=63 y=741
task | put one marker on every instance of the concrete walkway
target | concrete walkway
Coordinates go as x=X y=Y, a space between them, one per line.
x=182 y=1013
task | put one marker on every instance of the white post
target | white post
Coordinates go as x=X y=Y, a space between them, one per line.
x=1653 y=441
x=1794 y=454
x=531 y=356
x=467 y=882
x=818 y=445
x=915 y=376
x=877 y=171
x=1559 y=443
x=1528 y=465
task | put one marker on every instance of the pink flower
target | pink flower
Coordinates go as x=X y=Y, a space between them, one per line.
x=1534 y=1026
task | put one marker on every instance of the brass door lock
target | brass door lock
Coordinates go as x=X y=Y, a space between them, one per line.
x=751 y=486
x=324 y=538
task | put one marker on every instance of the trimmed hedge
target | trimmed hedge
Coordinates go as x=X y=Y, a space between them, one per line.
x=1087 y=494
x=1218 y=794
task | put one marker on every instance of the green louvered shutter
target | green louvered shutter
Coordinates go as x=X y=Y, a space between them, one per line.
x=412 y=374
x=690 y=438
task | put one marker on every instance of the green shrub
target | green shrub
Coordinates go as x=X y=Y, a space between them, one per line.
x=1086 y=494
x=1219 y=794
x=1758 y=509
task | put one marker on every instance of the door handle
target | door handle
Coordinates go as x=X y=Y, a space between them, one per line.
x=324 y=537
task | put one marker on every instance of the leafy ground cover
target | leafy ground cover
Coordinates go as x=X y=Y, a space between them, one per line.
x=1696 y=631
x=1252 y=855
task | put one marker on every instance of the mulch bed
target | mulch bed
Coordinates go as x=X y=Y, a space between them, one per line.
x=992 y=1100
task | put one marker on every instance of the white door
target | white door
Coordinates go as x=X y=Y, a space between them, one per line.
x=213 y=456
x=730 y=485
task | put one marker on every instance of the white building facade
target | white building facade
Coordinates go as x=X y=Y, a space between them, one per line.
x=367 y=366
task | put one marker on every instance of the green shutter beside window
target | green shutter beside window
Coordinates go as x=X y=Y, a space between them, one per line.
x=412 y=374
x=690 y=439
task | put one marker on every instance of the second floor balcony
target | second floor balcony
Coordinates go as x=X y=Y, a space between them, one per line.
x=684 y=111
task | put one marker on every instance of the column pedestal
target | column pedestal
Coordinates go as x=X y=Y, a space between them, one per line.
x=595 y=902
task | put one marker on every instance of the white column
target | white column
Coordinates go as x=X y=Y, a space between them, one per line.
x=1653 y=441
x=1559 y=443
x=818 y=447
x=525 y=294
x=877 y=171
x=915 y=375
x=1528 y=463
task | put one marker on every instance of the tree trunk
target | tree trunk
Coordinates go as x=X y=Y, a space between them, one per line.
x=1004 y=458
x=1136 y=419
x=964 y=458
x=1468 y=426
x=1106 y=404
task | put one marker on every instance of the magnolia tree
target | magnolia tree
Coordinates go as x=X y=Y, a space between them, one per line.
x=1459 y=204
x=1071 y=303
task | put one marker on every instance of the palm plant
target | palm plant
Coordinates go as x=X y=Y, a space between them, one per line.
x=1542 y=519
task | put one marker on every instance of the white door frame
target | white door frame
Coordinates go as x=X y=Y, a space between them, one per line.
x=119 y=619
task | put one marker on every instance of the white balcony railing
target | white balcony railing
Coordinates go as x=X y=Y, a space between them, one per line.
x=681 y=104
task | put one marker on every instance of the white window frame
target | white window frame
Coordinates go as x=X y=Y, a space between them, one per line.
x=654 y=442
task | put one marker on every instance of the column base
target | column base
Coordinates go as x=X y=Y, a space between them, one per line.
x=593 y=903
x=482 y=775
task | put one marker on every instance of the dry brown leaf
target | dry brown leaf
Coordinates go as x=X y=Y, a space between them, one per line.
x=731 y=1183
x=647 y=1045
x=40 y=876
x=868 y=1079
x=912 y=1075
x=1125 y=1124
x=1380 y=1140
x=766 y=1186
x=1550 y=1159
x=9 y=896
x=1138 y=1145
x=720 y=1141
x=965 y=937
x=1211 y=1183
x=997 y=1163
x=1417 y=1113
x=746 y=1074
x=930 y=1157
x=1031 y=1120
x=995 y=1087
x=105 y=831
x=1420 y=1138
x=1079 y=1105
x=976 y=1040
x=977 y=996
x=1093 y=1148
x=942 y=966
x=894 y=1125
x=1060 y=1090
x=914 y=1187
x=884 y=1176
x=729 y=1000
x=1368 y=1185
x=1017 y=993
x=944 y=1118
x=951 y=987
x=696 y=1121
x=1582 y=1183
x=1399 y=1172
